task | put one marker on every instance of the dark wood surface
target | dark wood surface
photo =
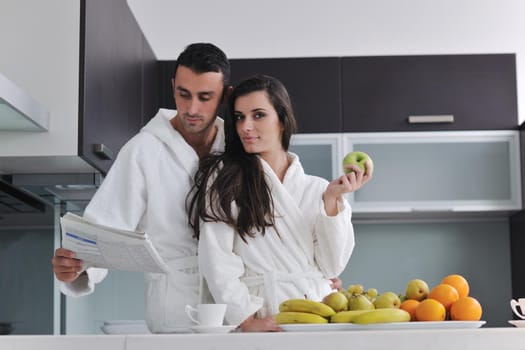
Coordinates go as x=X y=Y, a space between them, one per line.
x=119 y=85
x=380 y=92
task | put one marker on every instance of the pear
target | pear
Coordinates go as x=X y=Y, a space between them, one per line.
x=360 y=302
x=346 y=293
x=417 y=289
x=387 y=300
x=337 y=301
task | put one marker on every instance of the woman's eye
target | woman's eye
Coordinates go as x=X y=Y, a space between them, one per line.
x=237 y=117
x=259 y=115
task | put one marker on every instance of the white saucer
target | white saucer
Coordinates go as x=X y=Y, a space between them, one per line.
x=212 y=329
x=518 y=323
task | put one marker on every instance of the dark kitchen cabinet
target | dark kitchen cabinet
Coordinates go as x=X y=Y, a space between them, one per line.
x=517 y=233
x=119 y=80
x=380 y=93
x=313 y=85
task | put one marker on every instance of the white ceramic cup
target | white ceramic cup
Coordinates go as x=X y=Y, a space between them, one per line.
x=207 y=314
x=521 y=304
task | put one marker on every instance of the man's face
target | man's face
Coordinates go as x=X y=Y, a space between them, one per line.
x=197 y=97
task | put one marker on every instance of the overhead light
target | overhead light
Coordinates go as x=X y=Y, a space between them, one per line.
x=19 y=111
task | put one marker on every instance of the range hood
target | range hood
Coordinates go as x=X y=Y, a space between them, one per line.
x=19 y=111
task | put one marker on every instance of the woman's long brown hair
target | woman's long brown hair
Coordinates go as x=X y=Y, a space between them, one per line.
x=236 y=176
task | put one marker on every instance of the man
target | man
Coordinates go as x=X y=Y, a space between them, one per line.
x=146 y=188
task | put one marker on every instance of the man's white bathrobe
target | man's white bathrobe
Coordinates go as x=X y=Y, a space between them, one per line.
x=311 y=248
x=145 y=190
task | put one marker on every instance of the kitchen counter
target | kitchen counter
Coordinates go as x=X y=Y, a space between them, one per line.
x=505 y=338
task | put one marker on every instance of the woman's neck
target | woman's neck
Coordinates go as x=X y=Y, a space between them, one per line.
x=278 y=161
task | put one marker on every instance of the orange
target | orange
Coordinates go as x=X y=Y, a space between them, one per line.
x=466 y=309
x=430 y=310
x=445 y=294
x=410 y=306
x=459 y=282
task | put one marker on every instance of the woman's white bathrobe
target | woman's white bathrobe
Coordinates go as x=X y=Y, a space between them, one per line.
x=311 y=248
x=145 y=190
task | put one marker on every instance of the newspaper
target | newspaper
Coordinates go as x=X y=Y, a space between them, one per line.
x=110 y=248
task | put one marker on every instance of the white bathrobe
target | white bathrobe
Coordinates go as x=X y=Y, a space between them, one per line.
x=145 y=190
x=258 y=276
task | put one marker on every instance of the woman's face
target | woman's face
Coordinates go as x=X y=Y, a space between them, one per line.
x=257 y=124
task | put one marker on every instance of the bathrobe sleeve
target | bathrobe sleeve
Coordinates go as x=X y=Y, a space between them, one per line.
x=222 y=269
x=120 y=202
x=333 y=239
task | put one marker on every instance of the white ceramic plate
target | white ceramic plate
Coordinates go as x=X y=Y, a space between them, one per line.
x=517 y=323
x=212 y=329
x=381 y=326
x=316 y=327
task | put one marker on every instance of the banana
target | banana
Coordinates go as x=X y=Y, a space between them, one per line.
x=298 y=317
x=382 y=316
x=305 y=305
x=346 y=316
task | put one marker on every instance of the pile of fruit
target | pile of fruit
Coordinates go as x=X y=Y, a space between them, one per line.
x=449 y=300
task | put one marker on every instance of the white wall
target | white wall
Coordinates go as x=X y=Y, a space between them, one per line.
x=293 y=28
x=39 y=51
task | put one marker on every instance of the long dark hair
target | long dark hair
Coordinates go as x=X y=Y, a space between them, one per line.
x=238 y=176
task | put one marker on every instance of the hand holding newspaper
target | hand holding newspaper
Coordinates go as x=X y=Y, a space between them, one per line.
x=102 y=246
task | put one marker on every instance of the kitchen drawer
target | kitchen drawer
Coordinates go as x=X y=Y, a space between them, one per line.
x=439 y=172
x=478 y=92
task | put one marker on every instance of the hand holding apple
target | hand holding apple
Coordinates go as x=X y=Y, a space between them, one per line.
x=359 y=159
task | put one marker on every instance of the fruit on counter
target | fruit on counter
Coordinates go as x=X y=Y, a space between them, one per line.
x=466 y=309
x=417 y=289
x=357 y=158
x=288 y=317
x=459 y=282
x=410 y=305
x=445 y=294
x=360 y=302
x=356 y=289
x=346 y=293
x=387 y=300
x=307 y=306
x=382 y=316
x=371 y=293
x=337 y=301
x=430 y=310
x=346 y=316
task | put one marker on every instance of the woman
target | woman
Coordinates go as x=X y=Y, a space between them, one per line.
x=267 y=231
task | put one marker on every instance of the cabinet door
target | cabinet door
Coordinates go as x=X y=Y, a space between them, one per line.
x=381 y=93
x=439 y=172
x=320 y=154
x=313 y=85
x=111 y=80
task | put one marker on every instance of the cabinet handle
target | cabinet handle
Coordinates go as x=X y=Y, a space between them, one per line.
x=421 y=119
x=102 y=151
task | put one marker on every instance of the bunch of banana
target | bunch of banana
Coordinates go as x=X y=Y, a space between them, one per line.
x=382 y=316
x=308 y=306
x=346 y=316
x=287 y=317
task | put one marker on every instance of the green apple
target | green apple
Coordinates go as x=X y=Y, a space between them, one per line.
x=360 y=302
x=337 y=301
x=387 y=300
x=417 y=289
x=357 y=158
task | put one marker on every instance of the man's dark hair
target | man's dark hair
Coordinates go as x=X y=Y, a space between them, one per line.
x=205 y=57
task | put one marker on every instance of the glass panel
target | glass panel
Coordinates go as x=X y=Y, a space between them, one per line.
x=437 y=171
x=316 y=159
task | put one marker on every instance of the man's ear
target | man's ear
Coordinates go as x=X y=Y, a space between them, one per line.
x=226 y=93
x=173 y=85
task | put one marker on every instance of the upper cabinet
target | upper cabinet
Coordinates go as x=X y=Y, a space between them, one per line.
x=313 y=84
x=97 y=77
x=423 y=93
x=119 y=82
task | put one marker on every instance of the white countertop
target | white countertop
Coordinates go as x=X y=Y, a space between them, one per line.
x=505 y=338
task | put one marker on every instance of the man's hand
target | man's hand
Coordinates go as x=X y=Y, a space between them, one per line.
x=65 y=266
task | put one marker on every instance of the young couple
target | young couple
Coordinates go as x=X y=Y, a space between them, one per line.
x=266 y=231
